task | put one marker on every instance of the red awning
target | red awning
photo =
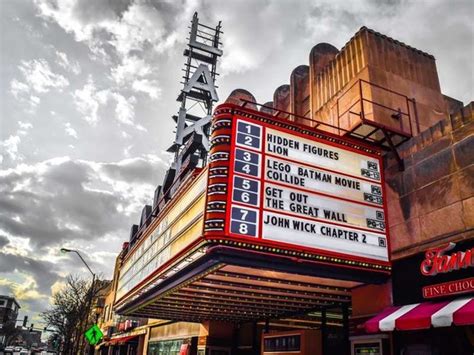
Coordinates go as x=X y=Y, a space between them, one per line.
x=423 y=316
x=122 y=339
x=465 y=315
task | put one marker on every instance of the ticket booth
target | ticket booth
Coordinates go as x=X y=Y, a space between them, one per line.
x=304 y=342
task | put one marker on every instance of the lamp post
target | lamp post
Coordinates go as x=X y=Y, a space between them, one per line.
x=66 y=250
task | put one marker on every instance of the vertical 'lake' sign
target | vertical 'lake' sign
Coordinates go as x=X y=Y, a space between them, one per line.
x=288 y=188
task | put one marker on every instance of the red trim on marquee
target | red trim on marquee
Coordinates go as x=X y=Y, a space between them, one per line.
x=262 y=183
x=236 y=109
x=233 y=116
x=307 y=250
x=385 y=210
x=292 y=258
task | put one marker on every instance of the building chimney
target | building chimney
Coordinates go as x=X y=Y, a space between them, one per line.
x=299 y=93
x=281 y=100
x=238 y=95
x=320 y=56
x=267 y=108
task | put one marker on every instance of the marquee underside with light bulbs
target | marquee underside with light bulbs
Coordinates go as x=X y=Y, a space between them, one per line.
x=284 y=220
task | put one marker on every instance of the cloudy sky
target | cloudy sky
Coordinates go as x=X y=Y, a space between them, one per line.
x=89 y=88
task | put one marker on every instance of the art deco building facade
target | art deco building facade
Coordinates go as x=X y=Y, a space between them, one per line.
x=336 y=218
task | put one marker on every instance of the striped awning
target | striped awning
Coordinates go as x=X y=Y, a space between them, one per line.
x=423 y=316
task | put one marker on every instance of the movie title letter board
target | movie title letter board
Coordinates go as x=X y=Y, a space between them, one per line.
x=306 y=192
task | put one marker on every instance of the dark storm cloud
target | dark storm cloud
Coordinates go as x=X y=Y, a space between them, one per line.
x=133 y=170
x=3 y=241
x=40 y=270
x=95 y=10
x=31 y=284
x=64 y=200
x=45 y=215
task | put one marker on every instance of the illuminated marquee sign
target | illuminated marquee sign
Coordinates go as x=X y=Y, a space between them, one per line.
x=180 y=224
x=290 y=189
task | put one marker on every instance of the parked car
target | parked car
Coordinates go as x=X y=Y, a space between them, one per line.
x=9 y=350
x=16 y=350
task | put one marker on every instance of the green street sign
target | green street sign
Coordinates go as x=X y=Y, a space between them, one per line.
x=93 y=334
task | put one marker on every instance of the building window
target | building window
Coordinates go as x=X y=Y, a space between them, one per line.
x=169 y=347
x=106 y=313
x=3 y=303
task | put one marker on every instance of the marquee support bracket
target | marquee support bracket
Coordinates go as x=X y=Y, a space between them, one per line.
x=393 y=149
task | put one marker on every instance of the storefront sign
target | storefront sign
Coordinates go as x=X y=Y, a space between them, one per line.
x=443 y=271
x=307 y=192
x=437 y=262
x=449 y=288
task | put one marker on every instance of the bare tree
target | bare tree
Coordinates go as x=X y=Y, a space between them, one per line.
x=70 y=314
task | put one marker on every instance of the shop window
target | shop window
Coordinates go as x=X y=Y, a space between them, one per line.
x=282 y=343
x=105 y=317
x=169 y=347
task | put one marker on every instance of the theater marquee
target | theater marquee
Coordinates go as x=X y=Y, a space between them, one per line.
x=287 y=188
x=274 y=197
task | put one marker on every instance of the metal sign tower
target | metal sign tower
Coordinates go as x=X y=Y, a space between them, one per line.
x=197 y=97
x=199 y=85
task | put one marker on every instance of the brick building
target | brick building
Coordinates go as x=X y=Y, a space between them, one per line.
x=122 y=334
x=363 y=134
x=9 y=309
